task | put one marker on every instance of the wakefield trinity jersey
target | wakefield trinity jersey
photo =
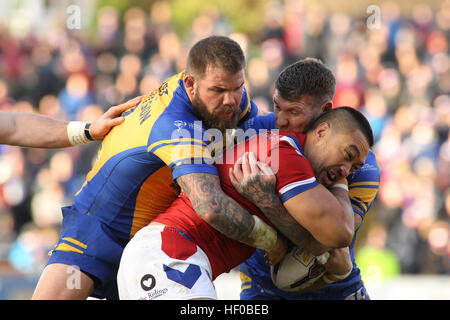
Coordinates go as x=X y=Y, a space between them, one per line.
x=284 y=153
x=132 y=180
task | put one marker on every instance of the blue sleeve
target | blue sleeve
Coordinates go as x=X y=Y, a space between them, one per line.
x=261 y=122
x=181 y=145
x=253 y=110
x=179 y=171
x=363 y=185
x=248 y=108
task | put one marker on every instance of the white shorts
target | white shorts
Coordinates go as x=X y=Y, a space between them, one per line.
x=161 y=263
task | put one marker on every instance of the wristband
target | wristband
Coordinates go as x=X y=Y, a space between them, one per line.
x=340 y=185
x=262 y=236
x=87 y=133
x=78 y=132
x=335 y=277
x=323 y=258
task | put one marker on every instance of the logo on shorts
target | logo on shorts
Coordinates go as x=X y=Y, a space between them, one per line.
x=148 y=282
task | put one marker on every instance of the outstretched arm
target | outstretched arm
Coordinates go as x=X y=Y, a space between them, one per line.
x=38 y=131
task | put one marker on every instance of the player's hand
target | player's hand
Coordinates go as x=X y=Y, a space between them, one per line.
x=275 y=255
x=339 y=261
x=111 y=118
x=253 y=179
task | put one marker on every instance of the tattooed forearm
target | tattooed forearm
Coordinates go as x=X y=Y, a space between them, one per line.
x=263 y=194
x=215 y=207
x=290 y=228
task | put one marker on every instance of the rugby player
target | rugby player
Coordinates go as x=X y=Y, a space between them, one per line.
x=160 y=149
x=38 y=131
x=179 y=255
x=297 y=102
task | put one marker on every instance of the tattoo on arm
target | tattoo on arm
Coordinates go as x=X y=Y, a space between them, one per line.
x=268 y=201
x=215 y=207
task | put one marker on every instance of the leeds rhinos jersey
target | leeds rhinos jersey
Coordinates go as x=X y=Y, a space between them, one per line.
x=281 y=152
x=133 y=177
x=363 y=188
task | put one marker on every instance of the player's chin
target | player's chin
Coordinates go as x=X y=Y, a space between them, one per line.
x=325 y=180
x=230 y=123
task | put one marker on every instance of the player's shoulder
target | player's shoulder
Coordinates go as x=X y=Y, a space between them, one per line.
x=175 y=127
x=291 y=140
x=266 y=121
x=172 y=110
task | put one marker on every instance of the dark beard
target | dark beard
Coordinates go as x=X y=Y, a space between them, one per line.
x=213 y=120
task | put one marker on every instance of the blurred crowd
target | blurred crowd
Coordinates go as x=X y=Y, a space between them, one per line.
x=398 y=74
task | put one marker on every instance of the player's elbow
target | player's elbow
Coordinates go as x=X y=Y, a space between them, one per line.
x=340 y=232
x=205 y=209
x=344 y=238
x=341 y=238
x=343 y=232
x=207 y=216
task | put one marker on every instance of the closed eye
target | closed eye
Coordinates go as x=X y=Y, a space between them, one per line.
x=348 y=156
x=218 y=90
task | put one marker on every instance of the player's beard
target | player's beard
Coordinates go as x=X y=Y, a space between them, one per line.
x=215 y=119
x=328 y=175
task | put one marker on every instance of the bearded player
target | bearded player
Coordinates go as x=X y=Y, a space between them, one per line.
x=179 y=255
x=142 y=165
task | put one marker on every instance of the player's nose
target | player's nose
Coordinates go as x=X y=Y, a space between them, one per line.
x=344 y=170
x=281 y=121
x=230 y=99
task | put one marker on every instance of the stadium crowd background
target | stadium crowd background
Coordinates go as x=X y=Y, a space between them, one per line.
x=397 y=73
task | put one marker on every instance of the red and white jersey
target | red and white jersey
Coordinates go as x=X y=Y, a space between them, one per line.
x=283 y=152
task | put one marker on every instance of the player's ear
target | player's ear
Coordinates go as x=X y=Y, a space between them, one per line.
x=327 y=106
x=321 y=130
x=189 y=84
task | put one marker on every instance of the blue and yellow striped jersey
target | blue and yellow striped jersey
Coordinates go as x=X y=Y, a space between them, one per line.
x=133 y=177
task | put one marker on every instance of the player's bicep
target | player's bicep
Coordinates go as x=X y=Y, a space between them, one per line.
x=316 y=210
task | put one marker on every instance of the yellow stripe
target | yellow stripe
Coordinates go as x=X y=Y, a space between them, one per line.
x=67 y=247
x=246 y=108
x=362 y=204
x=245 y=278
x=78 y=243
x=367 y=183
x=246 y=287
x=172 y=153
x=175 y=140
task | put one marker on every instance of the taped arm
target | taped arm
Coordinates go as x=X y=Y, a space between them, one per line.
x=38 y=131
x=32 y=130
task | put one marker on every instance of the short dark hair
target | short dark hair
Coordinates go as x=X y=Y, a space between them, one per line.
x=308 y=76
x=217 y=51
x=346 y=118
